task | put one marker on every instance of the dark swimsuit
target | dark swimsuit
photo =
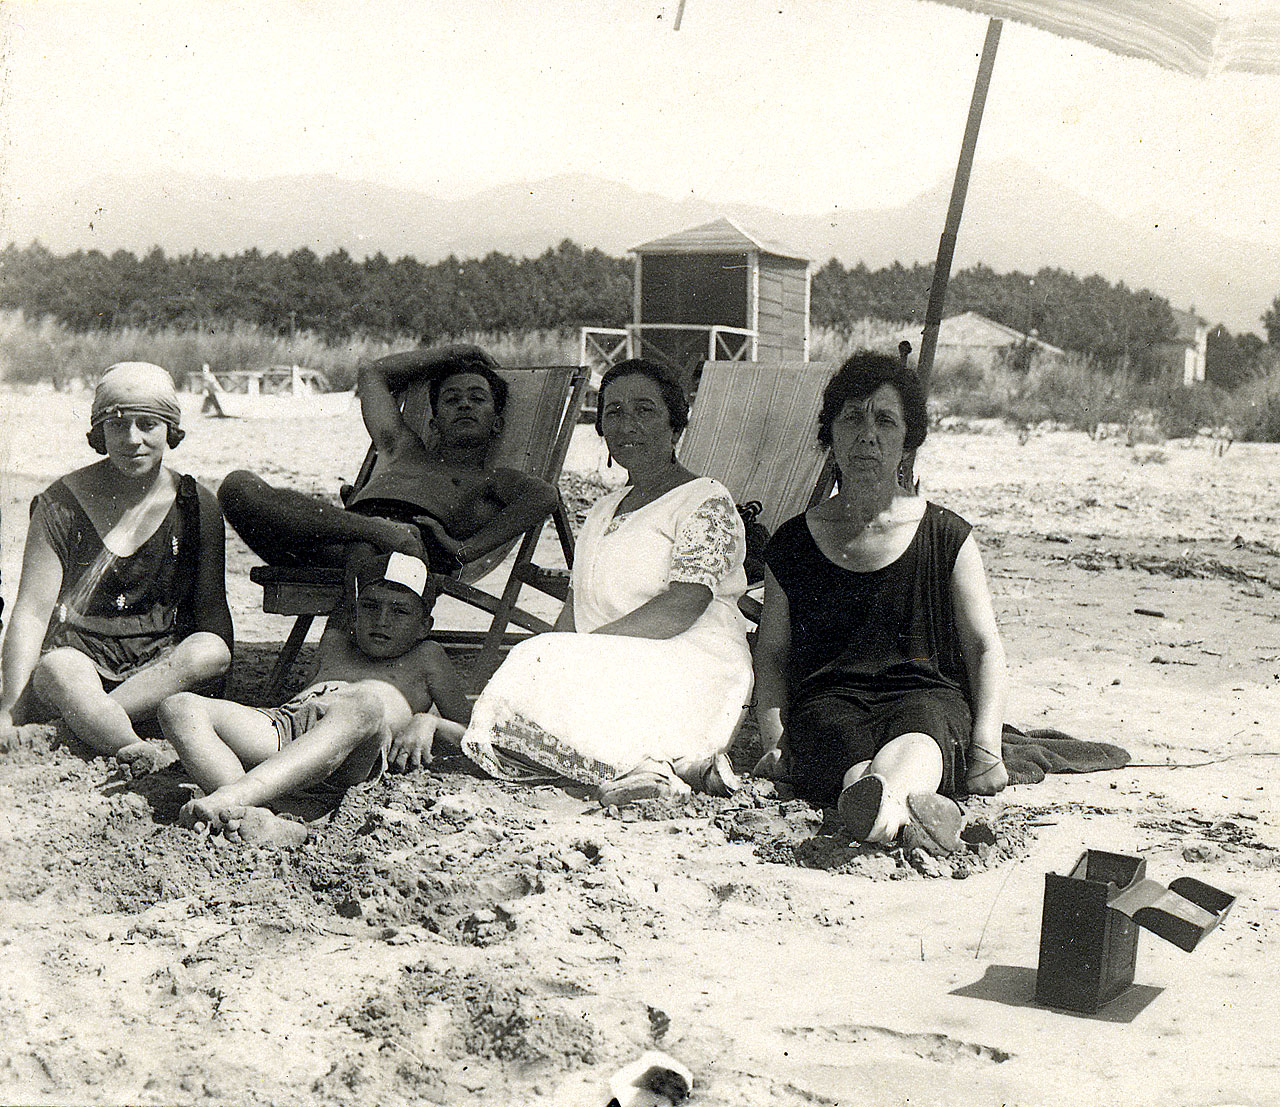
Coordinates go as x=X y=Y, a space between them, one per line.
x=123 y=613
x=873 y=655
x=439 y=560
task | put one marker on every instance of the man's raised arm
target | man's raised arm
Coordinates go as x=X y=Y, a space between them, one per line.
x=378 y=381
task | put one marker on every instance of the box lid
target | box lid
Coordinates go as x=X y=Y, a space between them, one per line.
x=1182 y=913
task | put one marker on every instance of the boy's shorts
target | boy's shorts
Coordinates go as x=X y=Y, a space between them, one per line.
x=293 y=719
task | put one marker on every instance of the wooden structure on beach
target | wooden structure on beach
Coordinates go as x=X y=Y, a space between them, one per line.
x=983 y=343
x=713 y=292
x=1184 y=355
x=274 y=392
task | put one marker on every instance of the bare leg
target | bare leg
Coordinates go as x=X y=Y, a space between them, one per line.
x=218 y=741
x=286 y=527
x=355 y=722
x=228 y=748
x=67 y=680
x=874 y=800
x=197 y=659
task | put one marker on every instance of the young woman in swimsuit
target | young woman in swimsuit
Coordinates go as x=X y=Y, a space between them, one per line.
x=122 y=600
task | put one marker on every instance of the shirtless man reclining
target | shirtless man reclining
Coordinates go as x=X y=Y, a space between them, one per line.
x=443 y=501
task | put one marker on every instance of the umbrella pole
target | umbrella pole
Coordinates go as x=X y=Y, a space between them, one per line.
x=947 y=243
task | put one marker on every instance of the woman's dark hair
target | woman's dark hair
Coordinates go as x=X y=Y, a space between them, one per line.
x=469 y=363
x=860 y=376
x=672 y=394
x=98 y=437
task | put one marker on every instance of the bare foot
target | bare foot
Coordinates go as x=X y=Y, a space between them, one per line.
x=38 y=737
x=394 y=537
x=138 y=759
x=259 y=827
x=238 y=823
x=987 y=773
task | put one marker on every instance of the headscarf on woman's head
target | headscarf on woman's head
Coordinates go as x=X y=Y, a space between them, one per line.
x=134 y=388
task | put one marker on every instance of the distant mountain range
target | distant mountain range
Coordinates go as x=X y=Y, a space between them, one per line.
x=1014 y=219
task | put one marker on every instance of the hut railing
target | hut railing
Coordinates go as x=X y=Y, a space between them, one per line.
x=601 y=347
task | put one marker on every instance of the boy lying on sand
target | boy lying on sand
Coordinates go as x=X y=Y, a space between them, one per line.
x=378 y=675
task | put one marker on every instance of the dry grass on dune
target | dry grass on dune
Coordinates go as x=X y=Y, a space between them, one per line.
x=35 y=350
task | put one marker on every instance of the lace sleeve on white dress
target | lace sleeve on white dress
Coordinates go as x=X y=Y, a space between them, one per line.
x=706 y=546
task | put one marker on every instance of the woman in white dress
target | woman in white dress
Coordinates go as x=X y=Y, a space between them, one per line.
x=649 y=668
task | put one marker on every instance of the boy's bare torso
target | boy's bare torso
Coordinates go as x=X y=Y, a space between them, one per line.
x=401 y=683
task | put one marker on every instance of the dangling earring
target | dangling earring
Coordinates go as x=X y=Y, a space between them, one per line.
x=609 y=464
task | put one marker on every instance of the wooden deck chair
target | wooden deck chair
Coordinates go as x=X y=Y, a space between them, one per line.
x=542 y=410
x=753 y=427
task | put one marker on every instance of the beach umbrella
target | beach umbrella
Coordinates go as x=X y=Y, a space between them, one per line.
x=1198 y=37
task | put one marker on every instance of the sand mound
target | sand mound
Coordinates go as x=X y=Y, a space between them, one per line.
x=794 y=833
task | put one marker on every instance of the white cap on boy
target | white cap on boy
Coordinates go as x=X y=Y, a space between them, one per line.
x=408 y=571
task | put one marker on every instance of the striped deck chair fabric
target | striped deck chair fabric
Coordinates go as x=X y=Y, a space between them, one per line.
x=754 y=428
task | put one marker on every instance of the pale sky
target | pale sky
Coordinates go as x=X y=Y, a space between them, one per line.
x=799 y=105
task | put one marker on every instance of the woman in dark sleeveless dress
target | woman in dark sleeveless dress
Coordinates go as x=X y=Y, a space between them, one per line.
x=880 y=676
x=122 y=600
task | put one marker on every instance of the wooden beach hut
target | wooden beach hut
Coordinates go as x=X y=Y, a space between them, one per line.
x=714 y=292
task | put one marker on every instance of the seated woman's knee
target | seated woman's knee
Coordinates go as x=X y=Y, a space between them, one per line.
x=59 y=668
x=237 y=489
x=203 y=655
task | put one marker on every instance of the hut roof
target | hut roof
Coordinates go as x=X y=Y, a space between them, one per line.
x=1187 y=323
x=720 y=236
x=975 y=331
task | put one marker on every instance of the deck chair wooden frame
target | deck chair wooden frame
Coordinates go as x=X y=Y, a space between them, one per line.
x=542 y=410
x=754 y=428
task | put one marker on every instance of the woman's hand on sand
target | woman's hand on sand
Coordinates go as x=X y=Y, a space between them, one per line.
x=8 y=732
x=987 y=773
x=770 y=764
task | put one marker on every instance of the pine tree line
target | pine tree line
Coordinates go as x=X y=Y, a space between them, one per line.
x=338 y=297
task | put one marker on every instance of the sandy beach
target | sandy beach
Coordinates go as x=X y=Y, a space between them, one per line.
x=448 y=939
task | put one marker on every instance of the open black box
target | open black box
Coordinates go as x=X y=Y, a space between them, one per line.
x=1089 y=929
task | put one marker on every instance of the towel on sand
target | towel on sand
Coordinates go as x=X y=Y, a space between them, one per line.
x=1028 y=756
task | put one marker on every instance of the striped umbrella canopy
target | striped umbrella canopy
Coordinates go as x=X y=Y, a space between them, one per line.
x=1197 y=37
